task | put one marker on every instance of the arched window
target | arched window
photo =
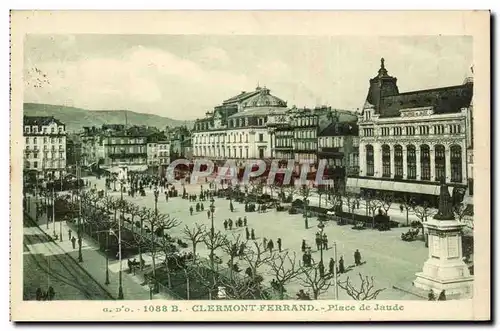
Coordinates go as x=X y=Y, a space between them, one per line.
x=440 y=162
x=456 y=163
x=386 y=161
x=425 y=162
x=370 y=164
x=398 y=161
x=411 y=161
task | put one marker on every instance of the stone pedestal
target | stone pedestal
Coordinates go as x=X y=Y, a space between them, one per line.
x=445 y=268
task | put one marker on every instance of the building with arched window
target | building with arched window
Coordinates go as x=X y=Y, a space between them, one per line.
x=409 y=142
x=237 y=129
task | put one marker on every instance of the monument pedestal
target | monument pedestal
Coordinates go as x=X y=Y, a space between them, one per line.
x=445 y=268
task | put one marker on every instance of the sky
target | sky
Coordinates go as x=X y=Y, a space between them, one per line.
x=184 y=76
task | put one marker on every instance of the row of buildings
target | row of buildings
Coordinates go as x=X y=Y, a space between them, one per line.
x=398 y=142
x=50 y=150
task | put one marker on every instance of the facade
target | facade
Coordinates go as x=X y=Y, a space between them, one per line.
x=73 y=149
x=92 y=144
x=164 y=152
x=178 y=142
x=126 y=147
x=281 y=135
x=238 y=128
x=45 y=146
x=410 y=142
x=338 y=145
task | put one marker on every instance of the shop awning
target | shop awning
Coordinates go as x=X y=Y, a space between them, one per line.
x=385 y=185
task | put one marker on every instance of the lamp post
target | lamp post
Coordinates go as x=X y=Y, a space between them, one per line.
x=321 y=226
x=151 y=285
x=212 y=210
x=335 y=270
x=120 y=286
x=306 y=221
x=107 y=258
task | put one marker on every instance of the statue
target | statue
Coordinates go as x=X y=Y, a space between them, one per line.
x=445 y=211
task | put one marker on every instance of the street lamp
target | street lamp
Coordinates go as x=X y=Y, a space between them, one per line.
x=321 y=226
x=306 y=221
x=120 y=287
x=151 y=285
x=212 y=210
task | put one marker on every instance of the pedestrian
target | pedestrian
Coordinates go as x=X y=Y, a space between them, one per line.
x=230 y=224
x=197 y=207
x=357 y=257
x=51 y=293
x=247 y=233
x=245 y=221
x=252 y=234
x=431 y=295
x=331 y=265
x=191 y=210
x=202 y=207
x=325 y=241
x=401 y=208
x=39 y=294
x=341 y=265
x=231 y=207
x=442 y=296
x=264 y=242
x=166 y=196
x=225 y=224
x=69 y=234
x=318 y=241
x=303 y=247
x=242 y=250
x=279 y=244
x=208 y=214
x=270 y=246
x=73 y=241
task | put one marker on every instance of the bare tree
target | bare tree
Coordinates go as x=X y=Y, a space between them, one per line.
x=167 y=247
x=373 y=204
x=310 y=277
x=365 y=291
x=305 y=192
x=159 y=223
x=460 y=210
x=284 y=269
x=255 y=258
x=213 y=241
x=195 y=235
x=423 y=212
x=291 y=190
x=232 y=247
x=386 y=201
x=321 y=191
x=139 y=237
x=407 y=203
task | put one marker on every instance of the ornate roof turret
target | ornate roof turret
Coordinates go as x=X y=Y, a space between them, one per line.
x=263 y=99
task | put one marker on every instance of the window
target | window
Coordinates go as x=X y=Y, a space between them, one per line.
x=35 y=164
x=398 y=161
x=456 y=164
x=34 y=141
x=410 y=131
x=411 y=160
x=440 y=162
x=60 y=129
x=241 y=153
x=385 y=131
x=425 y=162
x=370 y=164
x=27 y=140
x=35 y=129
x=35 y=155
x=261 y=137
x=398 y=131
x=386 y=161
x=27 y=129
x=423 y=130
x=438 y=129
x=52 y=130
x=241 y=137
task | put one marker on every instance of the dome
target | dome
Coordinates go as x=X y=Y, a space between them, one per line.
x=263 y=99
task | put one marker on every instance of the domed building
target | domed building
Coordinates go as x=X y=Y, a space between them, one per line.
x=237 y=129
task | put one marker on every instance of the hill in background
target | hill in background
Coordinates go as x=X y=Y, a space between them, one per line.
x=76 y=118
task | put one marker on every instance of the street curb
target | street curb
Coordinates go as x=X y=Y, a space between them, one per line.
x=72 y=258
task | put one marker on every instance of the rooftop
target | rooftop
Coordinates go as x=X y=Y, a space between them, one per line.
x=40 y=120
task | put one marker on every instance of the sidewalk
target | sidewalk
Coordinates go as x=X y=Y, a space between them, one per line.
x=95 y=263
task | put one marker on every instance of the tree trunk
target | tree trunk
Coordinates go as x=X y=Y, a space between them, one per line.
x=316 y=294
x=153 y=253
x=194 y=251
x=407 y=218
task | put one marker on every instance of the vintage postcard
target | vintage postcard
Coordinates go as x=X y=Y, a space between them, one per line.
x=250 y=166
